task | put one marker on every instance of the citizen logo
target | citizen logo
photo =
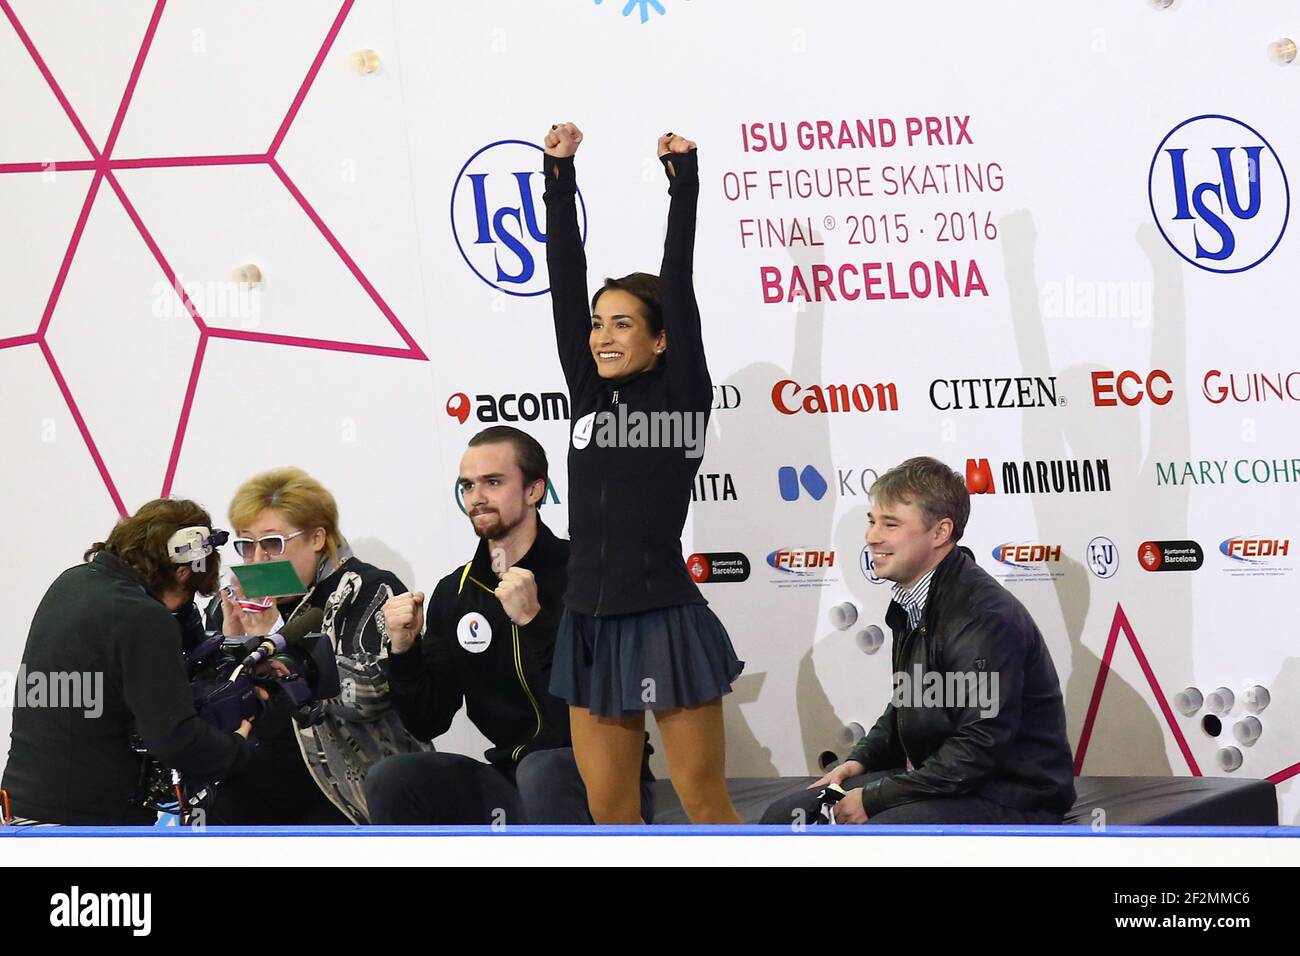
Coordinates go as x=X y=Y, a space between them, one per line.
x=959 y=394
x=791 y=398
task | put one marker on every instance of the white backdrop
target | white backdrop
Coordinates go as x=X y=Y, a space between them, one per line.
x=355 y=197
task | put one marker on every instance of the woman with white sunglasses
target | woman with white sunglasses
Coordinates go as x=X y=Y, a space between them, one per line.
x=310 y=775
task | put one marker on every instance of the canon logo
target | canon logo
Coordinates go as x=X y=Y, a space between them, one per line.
x=1219 y=387
x=1111 y=388
x=819 y=399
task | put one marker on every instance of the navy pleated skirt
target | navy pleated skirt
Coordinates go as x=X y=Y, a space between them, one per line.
x=655 y=660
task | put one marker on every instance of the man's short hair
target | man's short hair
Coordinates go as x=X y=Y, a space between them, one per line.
x=530 y=456
x=937 y=490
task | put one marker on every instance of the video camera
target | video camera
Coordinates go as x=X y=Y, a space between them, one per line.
x=296 y=667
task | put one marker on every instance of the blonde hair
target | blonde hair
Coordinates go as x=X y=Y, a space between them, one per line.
x=301 y=498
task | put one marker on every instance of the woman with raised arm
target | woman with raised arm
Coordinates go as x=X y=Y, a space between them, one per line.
x=636 y=633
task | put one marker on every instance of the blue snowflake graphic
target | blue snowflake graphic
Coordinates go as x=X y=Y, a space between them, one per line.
x=645 y=7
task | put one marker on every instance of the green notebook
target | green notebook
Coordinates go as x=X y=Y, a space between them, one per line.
x=268 y=579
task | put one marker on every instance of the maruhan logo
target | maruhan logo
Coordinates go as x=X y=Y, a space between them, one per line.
x=76 y=909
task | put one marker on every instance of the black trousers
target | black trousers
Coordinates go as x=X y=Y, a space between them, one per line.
x=275 y=788
x=438 y=788
x=802 y=806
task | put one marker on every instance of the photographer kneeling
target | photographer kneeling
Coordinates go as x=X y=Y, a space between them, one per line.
x=112 y=629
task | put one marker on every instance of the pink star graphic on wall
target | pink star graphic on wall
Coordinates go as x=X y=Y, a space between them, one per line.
x=1120 y=625
x=103 y=166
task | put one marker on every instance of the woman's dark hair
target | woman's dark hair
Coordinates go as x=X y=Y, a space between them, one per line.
x=140 y=542
x=646 y=288
x=530 y=456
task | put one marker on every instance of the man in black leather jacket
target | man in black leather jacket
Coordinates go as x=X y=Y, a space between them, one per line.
x=975 y=729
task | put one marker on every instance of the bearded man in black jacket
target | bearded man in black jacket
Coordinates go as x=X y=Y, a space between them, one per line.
x=975 y=729
x=118 y=618
x=488 y=647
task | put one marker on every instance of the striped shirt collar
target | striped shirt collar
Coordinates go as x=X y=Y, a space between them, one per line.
x=913 y=601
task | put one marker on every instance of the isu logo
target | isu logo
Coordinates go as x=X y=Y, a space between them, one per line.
x=1103 y=557
x=495 y=217
x=1219 y=194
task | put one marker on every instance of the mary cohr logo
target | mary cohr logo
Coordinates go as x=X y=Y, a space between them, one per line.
x=1219 y=193
x=498 y=220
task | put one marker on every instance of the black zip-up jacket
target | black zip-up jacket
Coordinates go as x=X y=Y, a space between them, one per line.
x=66 y=767
x=1018 y=757
x=472 y=654
x=627 y=505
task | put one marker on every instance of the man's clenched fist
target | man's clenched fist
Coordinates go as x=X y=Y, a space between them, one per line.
x=517 y=593
x=562 y=140
x=404 y=615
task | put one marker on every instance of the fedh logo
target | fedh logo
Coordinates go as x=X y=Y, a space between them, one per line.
x=1218 y=193
x=1029 y=561
x=496 y=216
x=802 y=567
x=1253 y=556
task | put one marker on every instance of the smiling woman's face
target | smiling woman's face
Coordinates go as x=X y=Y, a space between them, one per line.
x=621 y=341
